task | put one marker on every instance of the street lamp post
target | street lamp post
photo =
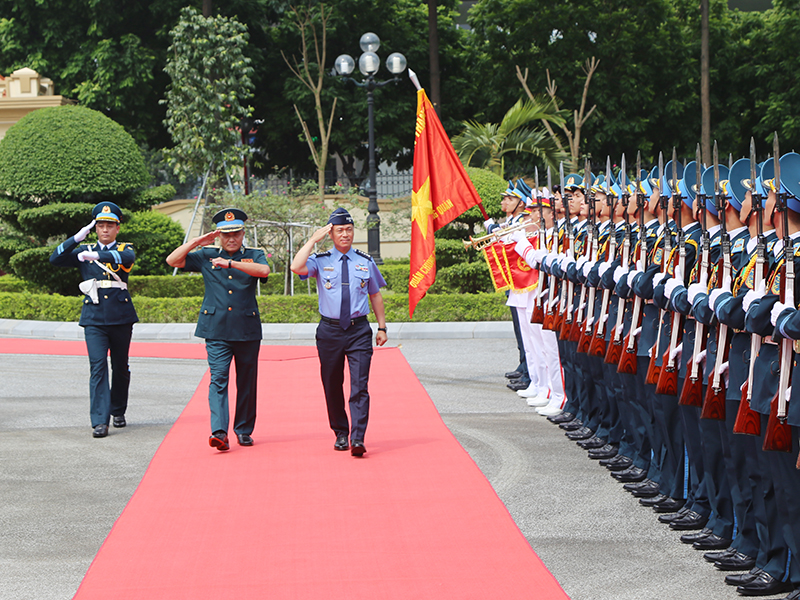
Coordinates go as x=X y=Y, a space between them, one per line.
x=368 y=64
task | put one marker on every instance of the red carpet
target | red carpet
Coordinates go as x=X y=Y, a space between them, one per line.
x=290 y=518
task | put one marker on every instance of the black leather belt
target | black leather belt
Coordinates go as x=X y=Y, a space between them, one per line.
x=336 y=321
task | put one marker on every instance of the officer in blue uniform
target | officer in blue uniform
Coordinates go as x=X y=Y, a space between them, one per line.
x=348 y=280
x=229 y=320
x=107 y=315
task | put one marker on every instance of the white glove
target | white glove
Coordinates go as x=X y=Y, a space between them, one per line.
x=694 y=290
x=589 y=322
x=700 y=358
x=637 y=332
x=87 y=255
x=658 y=277
x=605 y=319
x=715 y=294
x=564 y=262
x=488 y=222
x=675 y=355
x=522 y=246
x=726 y=284
x=581 y=261
x=619 y=273
x=538 y=255
x=671 y=285
x=603 y=268
x=788 y=393
x=81 y=235
x=723 y=372
x=753 y=295
x=777 y=310
x=632 y=275
x=581 y=306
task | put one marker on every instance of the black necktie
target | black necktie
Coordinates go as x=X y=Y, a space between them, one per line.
x=344 y=309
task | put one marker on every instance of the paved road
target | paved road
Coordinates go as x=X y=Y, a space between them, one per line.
x=61 y=490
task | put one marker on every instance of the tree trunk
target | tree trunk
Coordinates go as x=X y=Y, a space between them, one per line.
x=705 y=100
x=208 y=7
x=433 y=44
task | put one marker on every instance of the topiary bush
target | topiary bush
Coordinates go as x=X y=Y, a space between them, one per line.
x=70 y=153
x=33 y=265
x=153 y=236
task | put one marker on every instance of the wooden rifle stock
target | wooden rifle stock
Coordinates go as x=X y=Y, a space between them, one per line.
x=778 y=436
x=614 y=348
x=714 y=403
x=667 y=383
x=748 y=421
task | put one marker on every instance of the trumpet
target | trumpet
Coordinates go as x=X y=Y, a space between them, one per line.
x=479 y=243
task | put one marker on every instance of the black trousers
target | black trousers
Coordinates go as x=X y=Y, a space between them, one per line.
x=333 y=345
x=105 y=400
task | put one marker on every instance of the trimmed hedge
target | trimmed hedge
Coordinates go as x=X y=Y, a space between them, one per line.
x=274 y=308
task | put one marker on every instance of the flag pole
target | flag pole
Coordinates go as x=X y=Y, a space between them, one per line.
x=413 y=77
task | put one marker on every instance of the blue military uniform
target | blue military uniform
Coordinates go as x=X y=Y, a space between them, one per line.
x=108 y=322
x=339 y=336
x=230 y=322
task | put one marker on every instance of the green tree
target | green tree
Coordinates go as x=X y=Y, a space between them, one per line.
x=485 y=145
x=206 y=100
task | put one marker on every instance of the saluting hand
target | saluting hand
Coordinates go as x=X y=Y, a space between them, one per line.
x=206 y=239
x=321 y=233
x=81 y=235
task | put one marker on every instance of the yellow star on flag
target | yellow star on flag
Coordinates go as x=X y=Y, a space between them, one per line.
x=421 y=206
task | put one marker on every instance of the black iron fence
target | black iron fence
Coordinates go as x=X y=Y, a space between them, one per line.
x=389 y=185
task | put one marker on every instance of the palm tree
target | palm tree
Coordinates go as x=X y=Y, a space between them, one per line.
x=485 y=145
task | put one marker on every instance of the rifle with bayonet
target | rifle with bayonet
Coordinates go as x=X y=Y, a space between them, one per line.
x=537 y=316
x=585 y=331
x=598 y=343
x=747 y=420
x=614 y=348
x=714 y=404
x=778 y=435
x=627 y=360
x=692 y=392
x=552 y=317
x=654 y=369
x=668 y=377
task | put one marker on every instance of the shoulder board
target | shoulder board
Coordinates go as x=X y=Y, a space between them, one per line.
x=738 y=245
x=122 y=245
x=321 y=254
x=770 y=244
x=716 y=241
x=362 y=253
x=693 y=242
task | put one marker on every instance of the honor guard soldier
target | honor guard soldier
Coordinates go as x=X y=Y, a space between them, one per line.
x=229 y=320
x=107 y=315
x=348 y=280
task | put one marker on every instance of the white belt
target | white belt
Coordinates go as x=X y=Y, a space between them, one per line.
x=112 y=284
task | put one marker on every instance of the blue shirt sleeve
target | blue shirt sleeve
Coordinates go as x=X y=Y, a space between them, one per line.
x=376 y=280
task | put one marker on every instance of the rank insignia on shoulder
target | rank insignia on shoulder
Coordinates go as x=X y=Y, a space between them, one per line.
x=770 y=245
x=738 y=245
x=249 y=260
x=323 y=254
x=362 y=253
x=716 y=242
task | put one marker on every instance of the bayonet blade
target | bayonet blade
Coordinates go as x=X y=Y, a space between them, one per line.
x=715 y=160
x=698 y=169
x=660 y=171
x=622 y=180
x=673 y=181
x=777 y=154
x=549 y=181
x=752 y=185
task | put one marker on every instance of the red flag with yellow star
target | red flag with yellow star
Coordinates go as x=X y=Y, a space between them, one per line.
x=442 y=190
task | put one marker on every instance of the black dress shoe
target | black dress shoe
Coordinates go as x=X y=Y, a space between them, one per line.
x=713 y=557
x=341 y=442
x=795 y=595
x=736 y=562
x=100 y=431
x=673 y=516
x=652 y=501
x=712 y=542
x=691 y=538
x=647 y=491
x=219 y=440
x=743 y=578
x=357 y=448
x=119 y=421
x=592 y=443
x=764 y=585
x=644 y=483
x=244 y=439
x=571 y=425
x=518 y=384
x=618 y=463
x=670 y=505
x=630 y=474
x=515 y=374
x=607 y=451
x=584 y=433
x=564 y=417
x=688 y=522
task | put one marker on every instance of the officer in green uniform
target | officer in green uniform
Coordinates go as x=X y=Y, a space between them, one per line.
x=107 y=315
x=229 y=319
